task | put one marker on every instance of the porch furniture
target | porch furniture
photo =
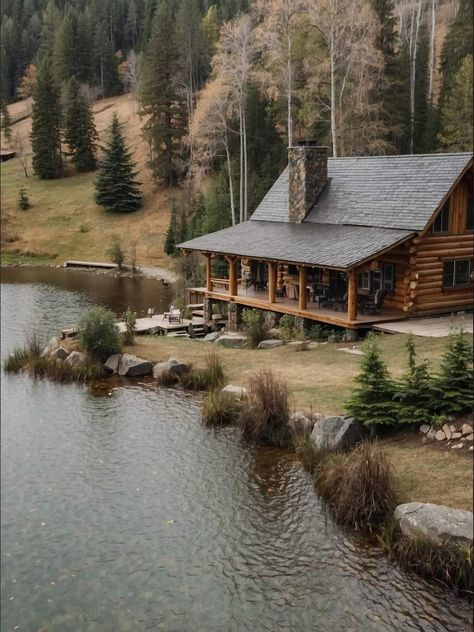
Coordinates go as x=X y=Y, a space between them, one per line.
x=328 y=299
x=374 y=303
x=174 y=315
x=340 y=302
x=280 y=291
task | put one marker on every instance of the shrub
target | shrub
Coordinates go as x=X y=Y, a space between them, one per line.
x=20 y=358
x=130 y=320
x=220 y=409
x=116 y=252
x=209 y=378
x=357 y=487
x=255 y=325
x=319 y=333
x=454 y=383
x=23 y=199
x=265 y=417
x=288 y=327
x=414 y=392
x=167 y=379
x=98 y=334
x=372 y=403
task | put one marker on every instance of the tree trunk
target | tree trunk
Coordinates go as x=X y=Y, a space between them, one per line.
x=290 y=93
x=414 y=48
x=231 y=185
x=432 y=51
x=333 y=96
x=245 y=167
x=241 y=133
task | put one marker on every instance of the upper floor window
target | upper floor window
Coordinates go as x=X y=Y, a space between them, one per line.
x=441 y=223
x=470 y=209
x=456 y=272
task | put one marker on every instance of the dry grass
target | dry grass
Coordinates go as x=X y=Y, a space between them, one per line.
x=64 y=222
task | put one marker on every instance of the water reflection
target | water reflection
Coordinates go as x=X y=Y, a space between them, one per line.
x=121 y=512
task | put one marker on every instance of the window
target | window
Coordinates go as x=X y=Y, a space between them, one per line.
x=456 y=273
x=363 y=280
x=470 y=208
x=377 y=279
x=388 y=277
x=441 y=223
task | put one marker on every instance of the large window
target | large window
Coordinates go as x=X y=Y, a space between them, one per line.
x=377 y=279
x=441 y=223
x=456 y=272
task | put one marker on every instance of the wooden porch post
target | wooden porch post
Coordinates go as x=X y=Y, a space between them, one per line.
x=272 y=280
x=209 y=287
x=352 y=296
x=232 y=261
x=302 y=302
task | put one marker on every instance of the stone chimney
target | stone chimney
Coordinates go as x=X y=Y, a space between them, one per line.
x=308 y=174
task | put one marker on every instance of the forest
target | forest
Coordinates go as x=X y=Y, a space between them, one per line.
x=223 y=87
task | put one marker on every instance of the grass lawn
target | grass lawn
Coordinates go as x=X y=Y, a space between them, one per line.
x=322 y=379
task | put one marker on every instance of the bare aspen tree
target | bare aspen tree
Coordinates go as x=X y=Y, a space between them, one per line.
x=210 y=131
x=432 y=60
x=234 y=58
x=131 y=73
x=275 y=41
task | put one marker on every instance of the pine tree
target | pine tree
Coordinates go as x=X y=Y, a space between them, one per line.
x=456 y=119
x=171 y=233
x=23 y=199
x=116 y=187
x=372 y=403
x=80 y=133
x=6 y=123
x=46 y=125
x=162 y=98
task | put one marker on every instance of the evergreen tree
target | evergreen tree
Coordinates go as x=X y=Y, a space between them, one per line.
x=6 y=122
x=116 y=187
x=162 y=98
x=171 y=233
x=80 y=133
x=196 y=228
x=72 y=48
x=372 y=403
x=23 y=199
x=182 y=228
x=455 y=393
x=46 y=125
x=105 y=63
x=456 y=120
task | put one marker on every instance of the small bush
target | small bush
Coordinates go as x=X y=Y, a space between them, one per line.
x=23 y=199
x=311 y=458
x=209 y=378
x=220 y=409
x=255 y=326
x=288 y=327
x=318 y=333
x=98 y=334
x=357 y=487
x=16 y=361
x=60 y=371
x=265 y=417
x=130 y=319
x=116 y=252
x=167 y=379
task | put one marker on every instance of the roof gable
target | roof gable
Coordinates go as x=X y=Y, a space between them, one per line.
x=399 y=192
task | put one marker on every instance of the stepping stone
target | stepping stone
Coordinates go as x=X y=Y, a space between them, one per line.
x=270 y=344
x=350 y=350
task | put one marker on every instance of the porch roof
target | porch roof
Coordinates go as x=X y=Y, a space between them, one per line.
x=324 y=245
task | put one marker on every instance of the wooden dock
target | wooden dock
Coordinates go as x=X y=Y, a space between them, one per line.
x=158 y=324
x=90 y=264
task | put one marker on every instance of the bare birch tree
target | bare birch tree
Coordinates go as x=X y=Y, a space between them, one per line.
x=210 y=131
x=275 y=41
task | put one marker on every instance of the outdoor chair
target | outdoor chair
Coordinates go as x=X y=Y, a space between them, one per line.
x=280 y=291
x=374 y=304
x=174 y=315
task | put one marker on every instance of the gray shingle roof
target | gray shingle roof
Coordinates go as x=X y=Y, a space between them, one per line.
x=386 y=191
x=322 y=245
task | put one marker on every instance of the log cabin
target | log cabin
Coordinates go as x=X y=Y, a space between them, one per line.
x=350 y=242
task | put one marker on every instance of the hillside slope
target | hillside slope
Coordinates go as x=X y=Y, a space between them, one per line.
x=64 y=222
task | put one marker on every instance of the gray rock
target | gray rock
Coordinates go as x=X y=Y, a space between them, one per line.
x=452 y=428
x=314 y=345
x=232 y=389
x=112 y=363
x=440 y=436
x=447 y=431
x=173 y=366
x=76 y=358
x=60 y=353
x=425 y=428
x=431 y=433
x=212 y=337
x=336 y=433
x=456 y=435
x=50 y=347
x=233 y=341
x=297 y=345
x=437 y=523
x=274 y=333
x=131 y=366
x=270 y=344
x=301 y=425
x=466 y=429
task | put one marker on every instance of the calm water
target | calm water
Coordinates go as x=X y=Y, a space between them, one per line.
x=121 y=512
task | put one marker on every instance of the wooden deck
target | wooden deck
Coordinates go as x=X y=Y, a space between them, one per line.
x=258 y=299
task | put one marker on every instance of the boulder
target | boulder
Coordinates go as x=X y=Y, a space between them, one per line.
x=237 y=391
x=425 y=428
x=112 y=363
x=173 y=366
x=440 y=436
x=50 y=347
x=431 y=433
x=76 y=358
x=336 y=433
x=456 y=435
x=60 y=353
x=470 y=437
x=314 y=345
x=301 y=425
x=130 y=365
x=466 y=429
x=212 y=337
x=447 y=431
x=232 y=340
x=270 y=344
x=437 y=523
x=274 y=333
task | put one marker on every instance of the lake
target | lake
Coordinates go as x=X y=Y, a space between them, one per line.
x=120 y=511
